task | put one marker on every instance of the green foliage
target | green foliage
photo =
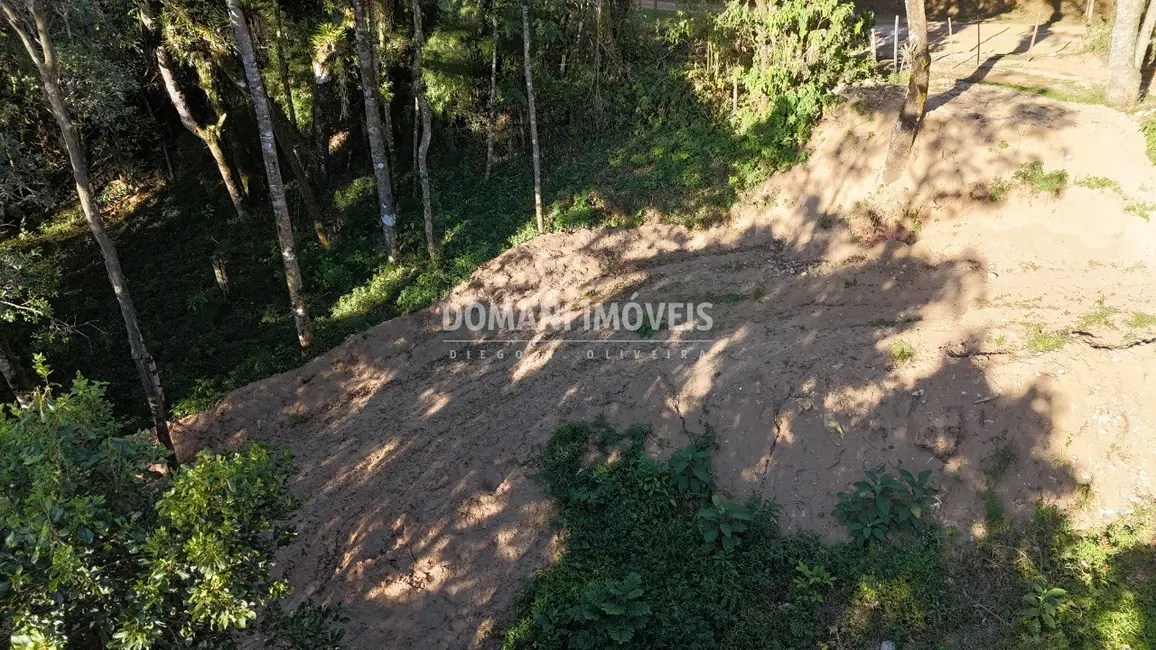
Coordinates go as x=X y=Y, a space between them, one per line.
x=1099 y=183
x=692 y=472
x=998 y=188
x=722 y=522
x=1042 y=606
x=882 y=504
x=1148 y=128
x=1041 y=340
x=99 y=551
x=1037 y=180
x=607 y=615
x=810 y=583
x=902 y=352
x=794 y=591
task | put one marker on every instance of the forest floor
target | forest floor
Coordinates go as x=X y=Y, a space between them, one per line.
x=983 y=318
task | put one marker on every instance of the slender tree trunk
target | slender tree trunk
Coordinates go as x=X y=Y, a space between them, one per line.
x=377 y=150
x=535 y=154
x=1123 y=73
x=295 y=149
x=208 y=83
x=43 y=54
x=283 y=67
x=373 y=20
x=597 y=55
x=493 y=93
x=209 y=135
x=426 y=133
x=322 y=107
x=1145 y=36
x=915 y=106
x=14 y=377
x=273 y=171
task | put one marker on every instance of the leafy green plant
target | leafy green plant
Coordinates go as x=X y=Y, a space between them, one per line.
x=722 y=522
x=101 y=551
x=608 y=614
x=882 y=504
x=810 y=582
x=1042 y=606
x=692 y=472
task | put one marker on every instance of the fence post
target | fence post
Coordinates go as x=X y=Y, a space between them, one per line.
x=978 y=42
x=950 y=32
x=1035 y=30
x=874 y=48
x=895 y=46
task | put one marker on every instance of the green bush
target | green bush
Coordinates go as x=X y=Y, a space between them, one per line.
x=102 y=551
x=882 y=504
x=633 y=571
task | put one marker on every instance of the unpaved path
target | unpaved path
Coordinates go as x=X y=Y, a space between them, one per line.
x=424 y=521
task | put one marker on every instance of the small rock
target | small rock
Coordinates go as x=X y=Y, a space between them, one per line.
x=887 y=645
x=993 y=275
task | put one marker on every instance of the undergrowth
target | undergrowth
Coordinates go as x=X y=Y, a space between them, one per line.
x=634 y=571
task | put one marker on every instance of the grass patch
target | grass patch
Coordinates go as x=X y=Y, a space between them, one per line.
x=1075 y=93
x=998 y=188
x=1101 y=316
x=999 y=463
x=901 y=352
x=1140 y=320
x=636 y=570
x=1038 y=180
x=1099 y=183
x=1041 y=340
x=1142 y=209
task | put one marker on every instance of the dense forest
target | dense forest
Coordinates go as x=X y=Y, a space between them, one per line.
x=413 y=142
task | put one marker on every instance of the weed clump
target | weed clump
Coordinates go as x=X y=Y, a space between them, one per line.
x=1038 y=180
x=1041 y=340
x=902 y=352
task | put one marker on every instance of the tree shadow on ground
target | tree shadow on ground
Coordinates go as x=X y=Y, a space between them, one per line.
x=418 y=453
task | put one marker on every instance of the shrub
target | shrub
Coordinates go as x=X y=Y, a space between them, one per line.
x=882 y=504
x=100 y=551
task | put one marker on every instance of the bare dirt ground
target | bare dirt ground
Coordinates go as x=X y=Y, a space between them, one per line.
x=424 y=519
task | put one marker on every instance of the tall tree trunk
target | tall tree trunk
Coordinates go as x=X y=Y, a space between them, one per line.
x=535 y=154
x=207 y=80
x=322 y=108
x=1123 y=73
x=209 y=135
x=377 y=150
x=273 y=171
x=295 y=148
x=43 y=54
x=283 y=67
x=915 y=106
x=373 y=21
x=426 y=133
x=1144 y=38
x=597 y=55
x=493 y=92
x=14 y=377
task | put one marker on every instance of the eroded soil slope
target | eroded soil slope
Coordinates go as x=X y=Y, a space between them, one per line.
x=424 y=520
